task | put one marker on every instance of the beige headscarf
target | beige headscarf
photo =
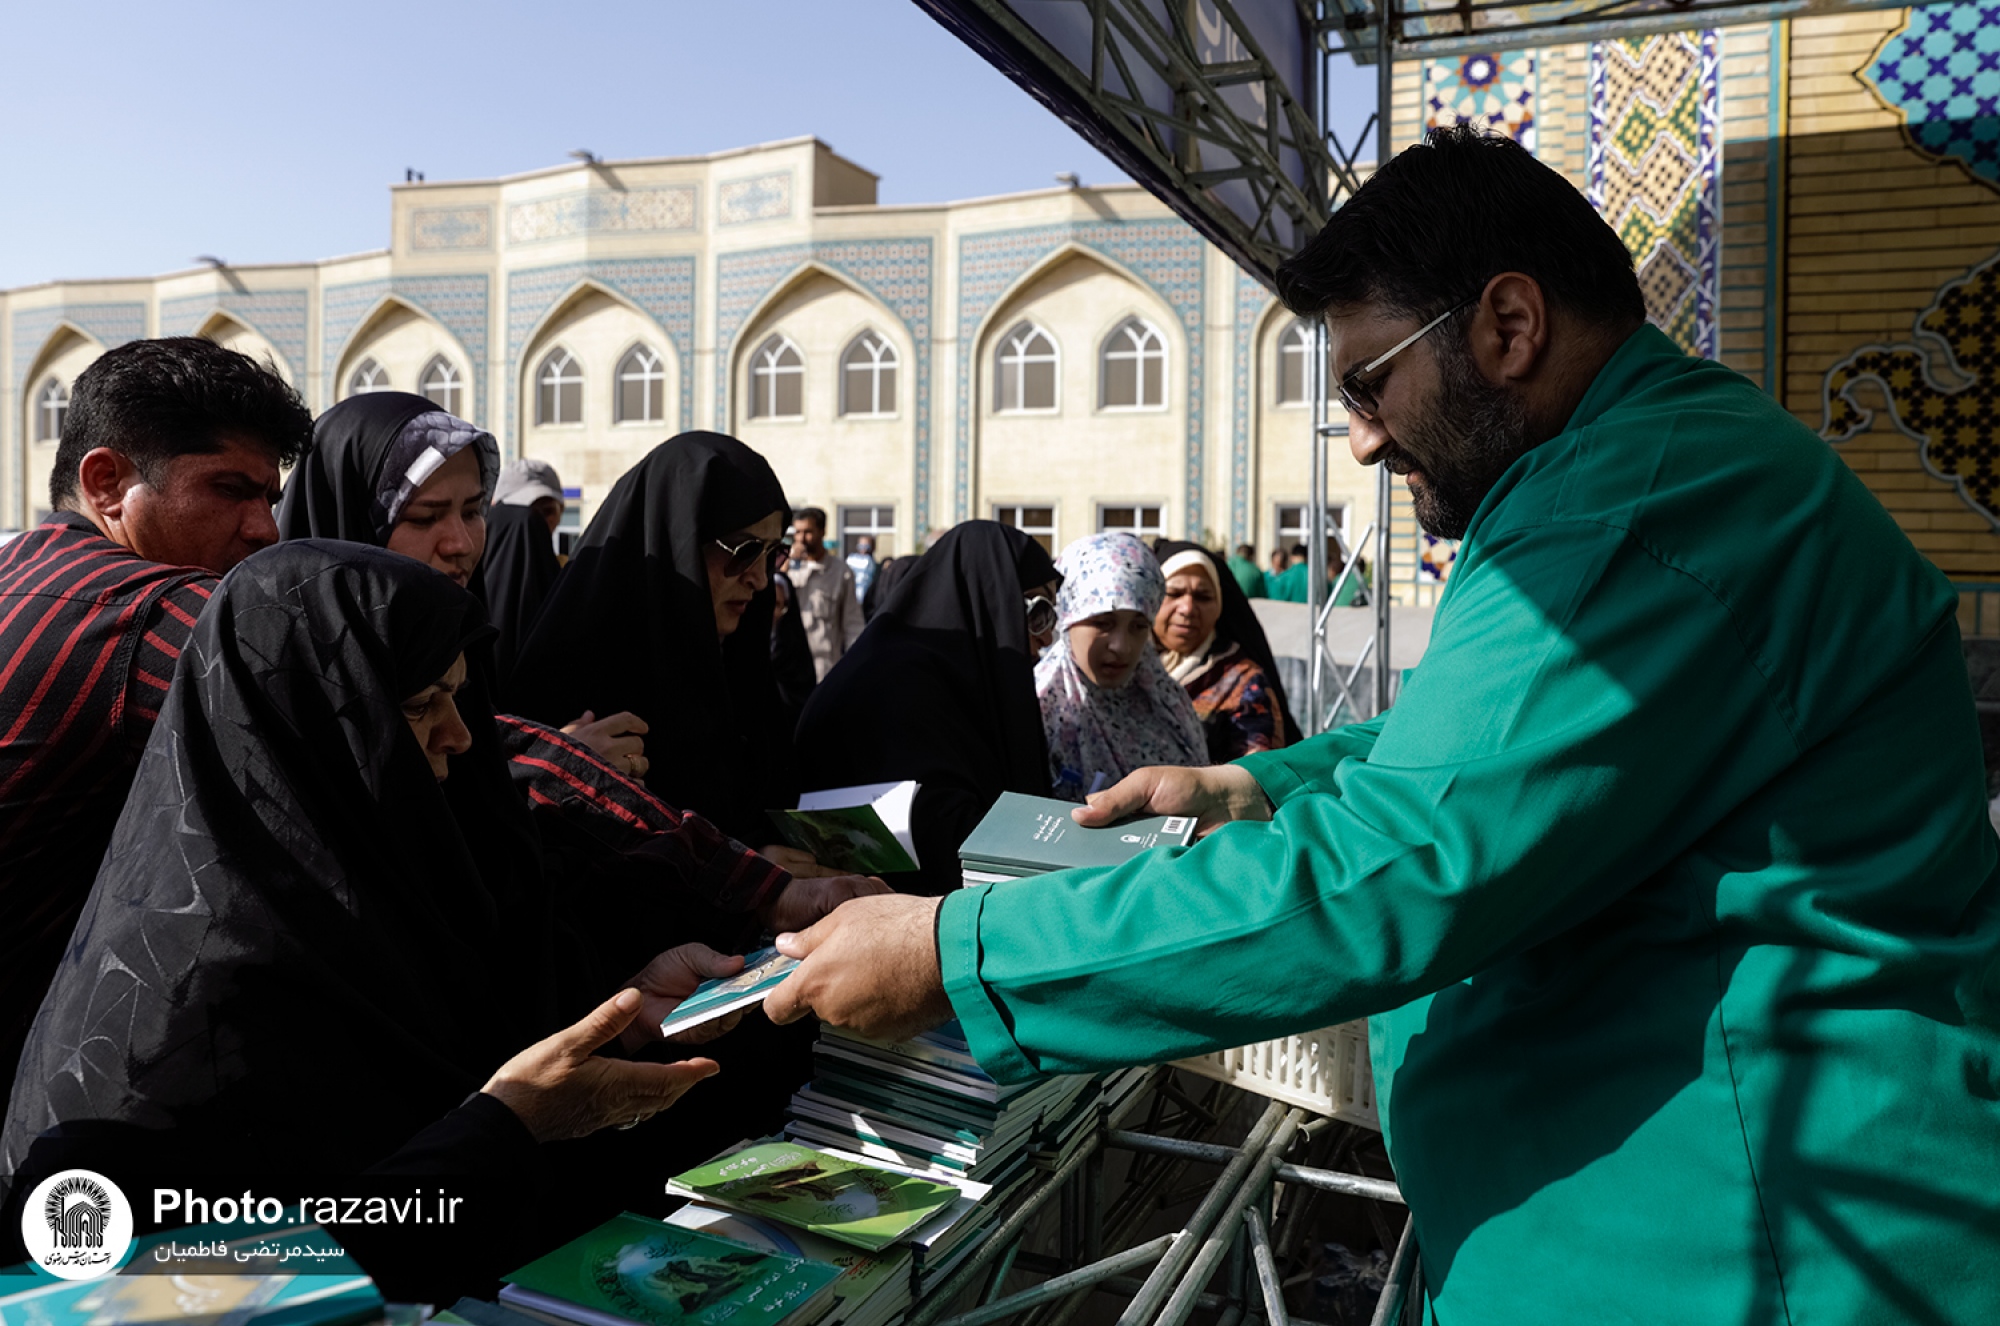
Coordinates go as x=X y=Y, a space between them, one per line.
x=1183 y=666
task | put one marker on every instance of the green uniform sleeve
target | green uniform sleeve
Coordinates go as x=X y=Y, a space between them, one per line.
x=1585 y=712
x=1287 y=772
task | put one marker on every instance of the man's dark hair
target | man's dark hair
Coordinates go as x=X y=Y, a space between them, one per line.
x=1299 y=550
x=1244 y=550
x=1443 y=218
x=151 y=401
x=812 y=513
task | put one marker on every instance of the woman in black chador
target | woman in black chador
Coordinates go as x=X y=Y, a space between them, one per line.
x=665 y=610
x=940 y=688
x=320 y=938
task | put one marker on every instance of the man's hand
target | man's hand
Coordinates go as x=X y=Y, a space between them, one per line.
x=620 y=740
x=561 y=1088
x=1214 y=795
x=805 y=900
x=872 y=966
x=667 y=980
x=799 y=864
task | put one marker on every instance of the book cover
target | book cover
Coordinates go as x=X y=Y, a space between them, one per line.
x=633 y=1269
x=860 y=830
x=761 y=974
x=1036 y=834
x=872 y=1287
x=859 y=1204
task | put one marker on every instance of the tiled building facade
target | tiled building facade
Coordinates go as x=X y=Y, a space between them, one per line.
x=1815 y=202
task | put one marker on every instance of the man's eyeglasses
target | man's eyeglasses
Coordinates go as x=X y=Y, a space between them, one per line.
x=744 y=555
x=1041 y=615
x=1359 y=396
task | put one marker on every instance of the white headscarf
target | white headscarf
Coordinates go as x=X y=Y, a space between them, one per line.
x=1111 y=731
x=1183 y=666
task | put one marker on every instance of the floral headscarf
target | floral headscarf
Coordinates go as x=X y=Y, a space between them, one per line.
x=1094 y=729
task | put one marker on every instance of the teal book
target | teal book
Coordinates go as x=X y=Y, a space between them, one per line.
x=795 y=1185
x=1024 y=835
x=631 y=1269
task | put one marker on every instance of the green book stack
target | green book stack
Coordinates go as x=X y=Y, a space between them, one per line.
x=1024 y=835
x=632 y=1269
x=852 y=1202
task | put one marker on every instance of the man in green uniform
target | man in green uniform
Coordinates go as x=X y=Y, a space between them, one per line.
x=1249 y=576
x=1668 y=879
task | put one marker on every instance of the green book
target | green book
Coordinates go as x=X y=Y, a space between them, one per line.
x=795 y=1185
x=631 y=1269
x=1026 y=835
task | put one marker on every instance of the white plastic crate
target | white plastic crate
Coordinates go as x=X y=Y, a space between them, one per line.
x=1326 y=1071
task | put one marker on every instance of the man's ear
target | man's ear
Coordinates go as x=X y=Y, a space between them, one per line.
x=1510 y=331
x=104 y=477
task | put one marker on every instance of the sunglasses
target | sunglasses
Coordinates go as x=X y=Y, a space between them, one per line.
x=1359 y=396
x=1041 y=615
x=744 y=555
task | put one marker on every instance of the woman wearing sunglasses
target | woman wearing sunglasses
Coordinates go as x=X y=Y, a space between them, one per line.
x=940 y=688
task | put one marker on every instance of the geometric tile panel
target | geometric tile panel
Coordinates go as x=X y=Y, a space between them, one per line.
x=110 y=324
x=459 y=304
x=897 y=272
x=279 y=316
x=1655 y=173
x=1167 y=255
x=758 y=198
x=1952 y=414
x=1941 y=71
x=445 y=228
x=1494 y=91
x=661 y=288
x=1252 y=298
x=594 y=211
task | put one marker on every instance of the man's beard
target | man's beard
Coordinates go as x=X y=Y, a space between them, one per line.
x=1471 y=434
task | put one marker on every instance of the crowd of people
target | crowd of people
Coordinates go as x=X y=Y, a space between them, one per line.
x=339 y=750
x=348 y=835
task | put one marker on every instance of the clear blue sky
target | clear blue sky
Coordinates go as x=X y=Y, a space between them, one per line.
x=135 y=134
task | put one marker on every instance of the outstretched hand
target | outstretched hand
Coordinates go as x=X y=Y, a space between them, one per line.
x=871 y=966
x=799 y=864
x=1213 y=795
x=666 y=981
x=560 y=1087
x=806 y=900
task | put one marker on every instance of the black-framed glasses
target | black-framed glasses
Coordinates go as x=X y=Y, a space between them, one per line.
x=1041 y=615
x=1359 y=396
x=744 y=555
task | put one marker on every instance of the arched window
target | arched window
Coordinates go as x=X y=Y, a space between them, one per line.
x=367 y=376
x=559 y=389
x=1025 y=376
x=51 y=407
x=642 y=387
x=868 y=375
x=442 y=384
x=1132 y=367
x=777 y=380
x=1294 y=363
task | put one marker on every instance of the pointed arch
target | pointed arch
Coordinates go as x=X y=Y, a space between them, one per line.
x=543 y=334
x=233 y=329
x=749 y=332
x=354 y=347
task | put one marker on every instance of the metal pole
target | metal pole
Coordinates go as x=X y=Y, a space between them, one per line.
x=1316 y=388
x=1219 y=1240
x=1081 y=1278
x=1009 y=1230
x=1267 y=1270
x=1385 y=494
x=1394 y=1291
x=1143 y=1304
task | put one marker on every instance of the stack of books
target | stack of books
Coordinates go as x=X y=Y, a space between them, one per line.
x=774 y=1233
x=1023 y=836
